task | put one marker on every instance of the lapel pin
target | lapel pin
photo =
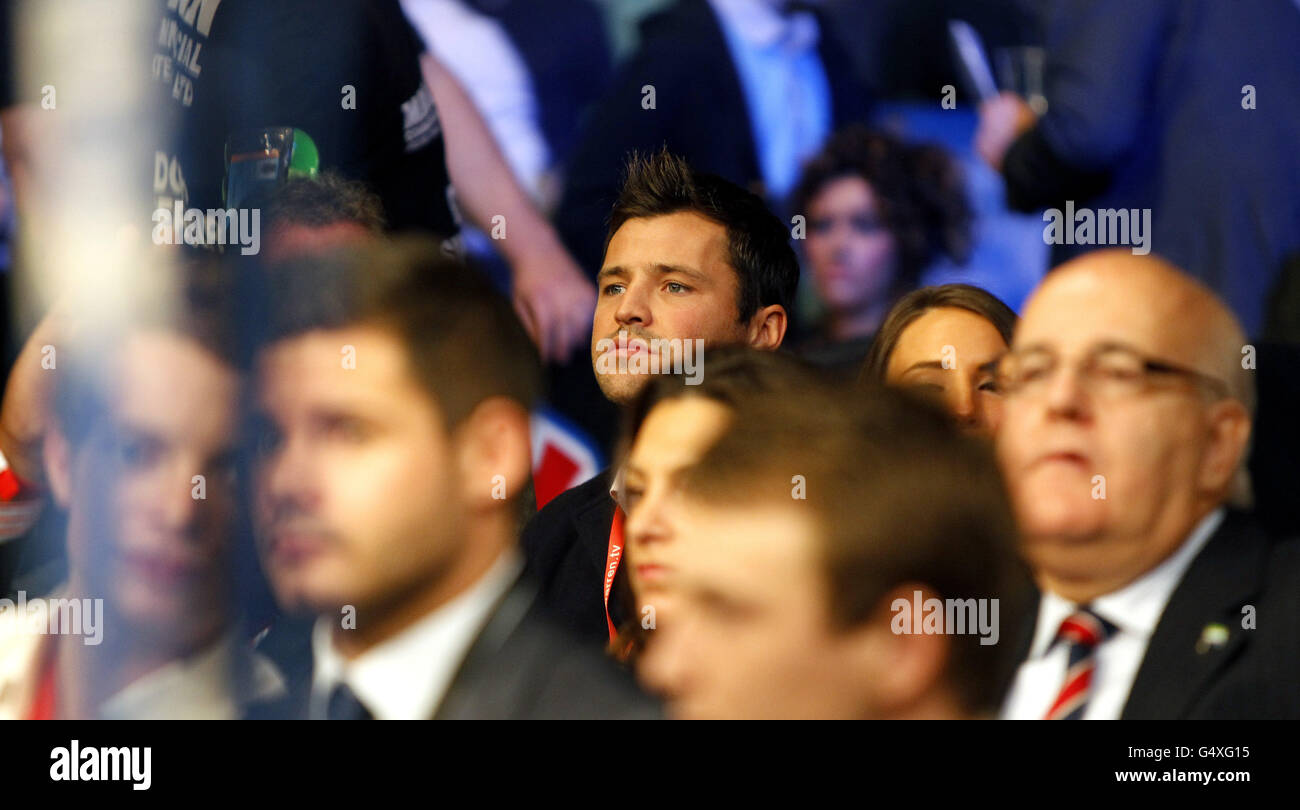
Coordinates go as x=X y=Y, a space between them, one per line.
x=1214 y=635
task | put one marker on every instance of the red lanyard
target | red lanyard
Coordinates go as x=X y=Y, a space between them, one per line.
x=43 y=706
x=613 y=556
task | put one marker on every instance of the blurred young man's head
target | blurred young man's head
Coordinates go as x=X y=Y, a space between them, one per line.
x=393 y=394
x=689 y=256
x=669 y=427
x=142 y=453
x=801 y=532
x=1126 y=420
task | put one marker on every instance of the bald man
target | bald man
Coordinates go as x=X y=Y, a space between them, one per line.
x=1126 y=427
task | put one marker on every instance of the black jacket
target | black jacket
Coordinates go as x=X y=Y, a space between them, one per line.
x=520 y=667
x=566 y=546
x=1255 y=674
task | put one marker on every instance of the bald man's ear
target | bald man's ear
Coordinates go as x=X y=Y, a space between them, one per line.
x=493 y=453
x=767 y=327
x=1229 y=426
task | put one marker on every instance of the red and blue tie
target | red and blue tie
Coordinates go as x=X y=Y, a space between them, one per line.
x=1082 y=632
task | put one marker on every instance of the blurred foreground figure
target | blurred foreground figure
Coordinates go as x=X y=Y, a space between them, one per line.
x=141 y=453
x=669 y=427
x=393 y=392
x=825 y=558
x=1125 y=428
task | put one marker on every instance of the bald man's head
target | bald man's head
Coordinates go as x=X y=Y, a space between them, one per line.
x=1127 y=417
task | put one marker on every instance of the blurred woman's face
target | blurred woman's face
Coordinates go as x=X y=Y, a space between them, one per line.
x=947 y=354
x=851 y=253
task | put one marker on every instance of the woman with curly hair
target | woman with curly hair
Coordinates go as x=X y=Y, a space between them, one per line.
x=878 y=212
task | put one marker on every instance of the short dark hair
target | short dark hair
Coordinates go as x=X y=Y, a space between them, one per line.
x=918 y=302
x=326 y=199
x=462 y=338
x=897 y=496
x=758 y=244
x=921 y=192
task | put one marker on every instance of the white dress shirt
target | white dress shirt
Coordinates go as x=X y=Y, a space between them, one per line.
x=1135 y=611
x=407 y=676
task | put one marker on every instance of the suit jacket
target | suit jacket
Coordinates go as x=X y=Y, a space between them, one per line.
x=1255 y=674
x=565 y=545
x=700 y=113
x=518 y=668
x=1146 y=111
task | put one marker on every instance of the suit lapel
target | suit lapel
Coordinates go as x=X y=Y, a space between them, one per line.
x=478 y=690
x=1200 y=631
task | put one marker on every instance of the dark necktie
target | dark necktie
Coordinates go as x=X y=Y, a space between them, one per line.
x=344 y=705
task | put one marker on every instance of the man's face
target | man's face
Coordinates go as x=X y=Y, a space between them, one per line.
x=355 y=502
x=142 y=530
x=1103 y=474
x=948 y=354
x=664 y=277
x=675 y=434
x=749 y=636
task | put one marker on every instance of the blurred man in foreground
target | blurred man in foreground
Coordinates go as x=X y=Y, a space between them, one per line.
x=141 y=452
x=393 y=395
x=833 y=560
x=1125 y=430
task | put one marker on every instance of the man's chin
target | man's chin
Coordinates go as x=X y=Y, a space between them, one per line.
x=1056 y=519
x=622 y=389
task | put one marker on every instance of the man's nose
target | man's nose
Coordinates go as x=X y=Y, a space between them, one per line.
x=1065 y=393
x=179 y=501
x=634 y=306
x=286 y=473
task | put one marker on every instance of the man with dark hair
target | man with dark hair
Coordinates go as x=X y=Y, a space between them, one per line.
x=394 y=388
x=690 y=260
x=879 y=564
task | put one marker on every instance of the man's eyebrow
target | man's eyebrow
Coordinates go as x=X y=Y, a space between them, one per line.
x=689 y=272
x=610 y=272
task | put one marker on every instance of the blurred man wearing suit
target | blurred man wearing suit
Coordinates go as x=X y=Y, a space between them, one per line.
x=1126 y=425
x=394 y=387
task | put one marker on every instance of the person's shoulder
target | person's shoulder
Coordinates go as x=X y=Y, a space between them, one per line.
x=568 y=505
x=556 y=527
x=579 y=683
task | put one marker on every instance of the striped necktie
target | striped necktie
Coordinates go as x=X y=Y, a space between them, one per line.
x=1082 y=631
